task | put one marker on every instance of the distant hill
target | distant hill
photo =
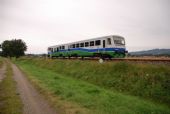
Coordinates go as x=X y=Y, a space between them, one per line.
x=153 y=52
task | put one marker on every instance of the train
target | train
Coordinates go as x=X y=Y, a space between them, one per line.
x=112 y=46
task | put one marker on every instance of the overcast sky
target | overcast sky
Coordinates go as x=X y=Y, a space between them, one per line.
x=145 y=24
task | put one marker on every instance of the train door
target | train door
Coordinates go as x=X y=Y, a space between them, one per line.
x=109 y=42
x=104 y=43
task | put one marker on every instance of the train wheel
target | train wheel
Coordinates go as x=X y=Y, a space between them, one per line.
x=60 y=55
x=110 y=57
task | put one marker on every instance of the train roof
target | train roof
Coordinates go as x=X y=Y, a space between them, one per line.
x=86 y=40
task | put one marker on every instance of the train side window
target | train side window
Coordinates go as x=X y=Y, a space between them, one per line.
x=63 y=47
x=109 y=41
x=57 y=49
x=86 y=44
x=91 y=43
x=97 y=42
x=77 y=45
x=60 y=47
x=81 y=44
x=74 y=45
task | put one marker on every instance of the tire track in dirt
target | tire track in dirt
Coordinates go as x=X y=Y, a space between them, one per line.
x=33 y=102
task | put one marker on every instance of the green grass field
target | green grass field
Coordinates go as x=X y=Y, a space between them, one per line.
x=109 y=88
x=10 y=102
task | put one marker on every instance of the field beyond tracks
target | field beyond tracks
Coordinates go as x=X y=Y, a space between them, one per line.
x=83 y=87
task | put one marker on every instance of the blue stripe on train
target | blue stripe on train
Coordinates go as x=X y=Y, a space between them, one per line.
x=122 y=50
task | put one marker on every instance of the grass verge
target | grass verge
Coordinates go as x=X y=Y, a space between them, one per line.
x=1 y=62
x=89 y=97
x=10 y=102
x=149 y=81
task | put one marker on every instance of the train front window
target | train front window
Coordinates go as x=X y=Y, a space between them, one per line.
x=120 y=42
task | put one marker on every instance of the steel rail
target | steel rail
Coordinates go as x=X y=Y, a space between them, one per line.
x=120 y=59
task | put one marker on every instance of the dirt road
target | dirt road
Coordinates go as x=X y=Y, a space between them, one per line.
x=32 y=100
x=2 y=72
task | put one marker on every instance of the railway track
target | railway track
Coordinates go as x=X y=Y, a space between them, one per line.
x=124 y=59
x=143 y=59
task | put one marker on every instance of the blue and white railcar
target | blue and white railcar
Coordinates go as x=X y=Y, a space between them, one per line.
x=112 y=46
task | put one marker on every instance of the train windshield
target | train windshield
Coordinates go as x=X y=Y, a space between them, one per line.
x=119 y=42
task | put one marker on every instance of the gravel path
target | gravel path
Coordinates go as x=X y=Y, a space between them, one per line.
x=32 y=100
x=2 y=72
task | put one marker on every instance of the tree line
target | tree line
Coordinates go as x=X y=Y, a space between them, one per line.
x=13 y=48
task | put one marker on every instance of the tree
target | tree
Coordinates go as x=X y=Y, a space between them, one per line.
x=13 y=48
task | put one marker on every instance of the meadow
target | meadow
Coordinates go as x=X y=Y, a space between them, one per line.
x=108 y=88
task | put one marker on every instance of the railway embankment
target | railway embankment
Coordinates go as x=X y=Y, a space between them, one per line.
x=120 y=87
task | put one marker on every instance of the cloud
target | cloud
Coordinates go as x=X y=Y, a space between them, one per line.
x=42 y=23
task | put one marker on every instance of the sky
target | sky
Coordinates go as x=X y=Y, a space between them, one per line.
x=145 y=24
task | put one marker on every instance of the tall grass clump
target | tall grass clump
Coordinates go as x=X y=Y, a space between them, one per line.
x=151 y=81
